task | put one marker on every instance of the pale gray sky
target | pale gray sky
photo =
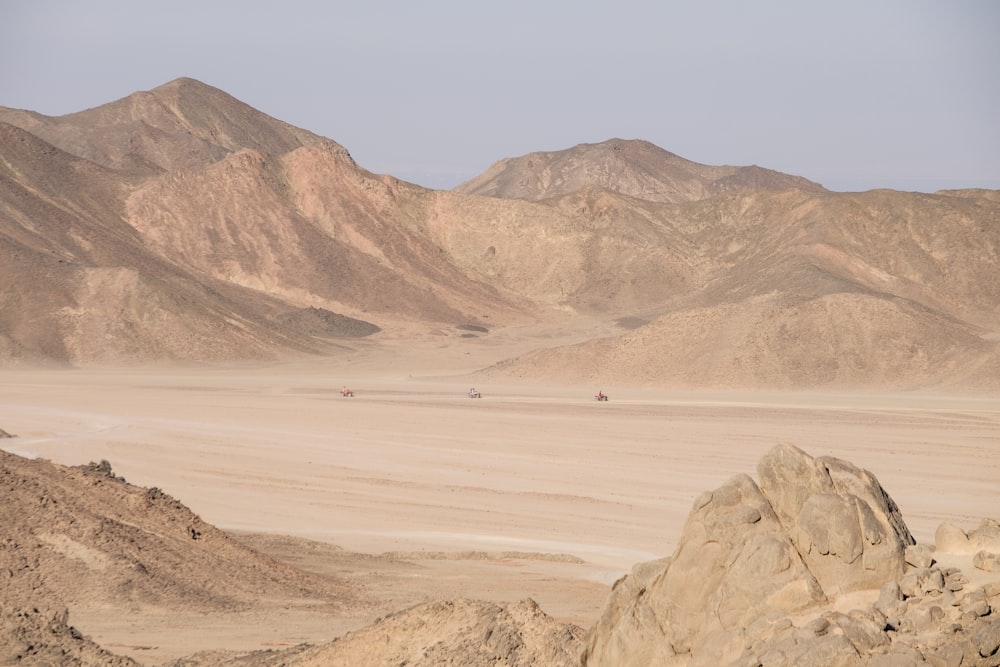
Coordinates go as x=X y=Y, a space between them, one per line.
x=854 y=94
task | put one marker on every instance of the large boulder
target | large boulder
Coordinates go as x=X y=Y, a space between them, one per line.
x=846 y=527
x=733 y=564
x=749 y=559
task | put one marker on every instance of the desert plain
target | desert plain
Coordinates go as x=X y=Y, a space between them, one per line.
x=410 y=491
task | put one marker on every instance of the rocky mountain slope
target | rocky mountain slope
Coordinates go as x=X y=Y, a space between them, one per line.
x=181 y=224
x=794 y=289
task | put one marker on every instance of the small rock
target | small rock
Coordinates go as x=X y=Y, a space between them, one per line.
x=976 y=603
x=819 y=626
x=951 y=655
x=987 y=639
x=909 y=586
x=921 y=582
x=986 y=561
x=889 y=599
x=918 y=555
x=924 y=619
x=981 y=608
x=933 y=582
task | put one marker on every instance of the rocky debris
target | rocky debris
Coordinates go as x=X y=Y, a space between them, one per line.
x=43 y=637
x=761 y=575
x=82 y=535
x=453 y=632
x=5 y=434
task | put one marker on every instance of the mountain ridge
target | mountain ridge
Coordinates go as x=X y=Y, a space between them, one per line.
x=180 y=224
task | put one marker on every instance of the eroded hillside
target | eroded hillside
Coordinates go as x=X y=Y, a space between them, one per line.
x=181 y=224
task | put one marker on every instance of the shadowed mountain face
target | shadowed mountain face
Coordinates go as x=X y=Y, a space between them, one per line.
x=181 y=224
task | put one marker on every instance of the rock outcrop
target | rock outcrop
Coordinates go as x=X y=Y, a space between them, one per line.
x=763 y=572
x=33 y=636
x=841 y=521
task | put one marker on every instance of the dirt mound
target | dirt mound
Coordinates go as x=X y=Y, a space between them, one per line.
x=84 y=537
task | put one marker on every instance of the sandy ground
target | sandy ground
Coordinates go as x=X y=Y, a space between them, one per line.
x=411 y=465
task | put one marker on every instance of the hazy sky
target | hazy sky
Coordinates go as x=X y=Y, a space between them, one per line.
x=853 y=94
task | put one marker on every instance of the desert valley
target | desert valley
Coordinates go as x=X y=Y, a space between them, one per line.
x=797 y=463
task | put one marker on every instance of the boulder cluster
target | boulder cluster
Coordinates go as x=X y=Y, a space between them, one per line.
x=811 y=565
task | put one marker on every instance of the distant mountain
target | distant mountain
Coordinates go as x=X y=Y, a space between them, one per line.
x=796 y=289
x=845 y=340
x=181 y=224
x=181 y=125
x=635 y=168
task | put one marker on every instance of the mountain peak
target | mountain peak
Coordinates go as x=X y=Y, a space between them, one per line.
x=632 y=167
x=181 y=125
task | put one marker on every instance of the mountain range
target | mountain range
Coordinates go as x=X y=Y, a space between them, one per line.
x=181 y=225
